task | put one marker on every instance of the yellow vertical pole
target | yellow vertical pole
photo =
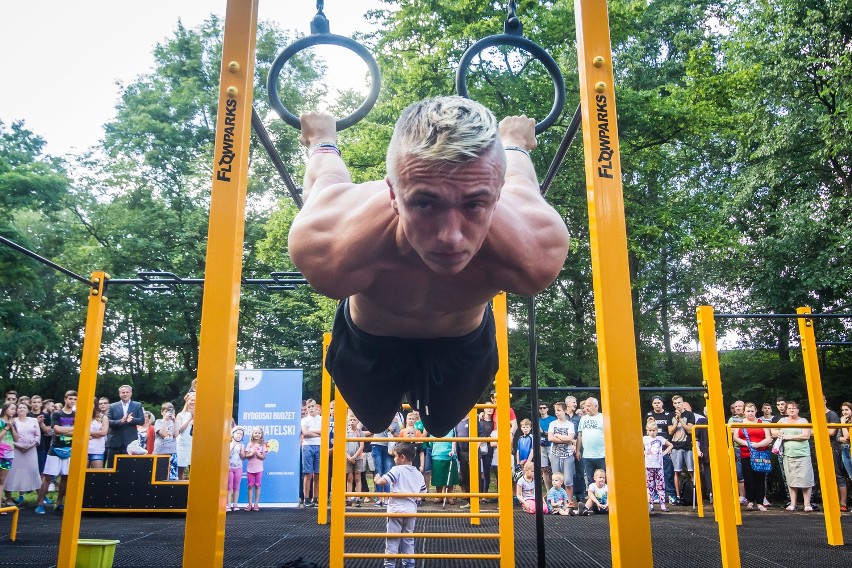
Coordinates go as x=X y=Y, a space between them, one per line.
x=699 y=500
x=473 y=453
x=630 y=531
x=338 y=481
x=504 y=439
x=80 y=438
x=204 y=538
x=325 y=397
x=825 y=463
x=732 y=467
x=718 y=439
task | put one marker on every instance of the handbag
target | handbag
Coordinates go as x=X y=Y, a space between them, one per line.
x=759 y=459
x=62 y=453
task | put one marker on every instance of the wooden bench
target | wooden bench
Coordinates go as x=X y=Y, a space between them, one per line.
x=14 y=510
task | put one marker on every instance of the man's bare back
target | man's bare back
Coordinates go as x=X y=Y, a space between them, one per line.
x=458 y=219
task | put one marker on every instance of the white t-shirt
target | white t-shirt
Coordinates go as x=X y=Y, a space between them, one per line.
x=654 y=448
x=559 y=449
x=404 y=479
x=600 y=493
x=311 y=423
x=591 y=428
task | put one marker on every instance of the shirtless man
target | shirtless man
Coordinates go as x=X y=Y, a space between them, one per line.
x=416 y=257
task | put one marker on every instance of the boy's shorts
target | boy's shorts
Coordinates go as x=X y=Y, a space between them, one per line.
x=54 y=466
x=443 y=377
x=682 y=459
x=356 y=467
x=310 y=459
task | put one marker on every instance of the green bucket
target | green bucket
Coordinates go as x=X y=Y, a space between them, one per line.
x=94 y=553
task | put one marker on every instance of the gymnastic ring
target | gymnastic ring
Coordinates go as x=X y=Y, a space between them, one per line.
x=533 y=49
x=323 y=39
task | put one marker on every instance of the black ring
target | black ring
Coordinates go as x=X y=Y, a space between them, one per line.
x=533 y=49
x=323 y=39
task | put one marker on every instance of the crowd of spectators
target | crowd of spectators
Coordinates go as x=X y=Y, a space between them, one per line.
x=572 y=452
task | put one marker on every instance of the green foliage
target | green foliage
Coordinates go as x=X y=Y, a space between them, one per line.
x=734 y=125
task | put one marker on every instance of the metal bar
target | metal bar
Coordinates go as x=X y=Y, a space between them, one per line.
x=536 y=426
x=337 y=543
x=425 y=556
x=719 y=440
x=467 y=495
x=266 y=142
x=325 y=400
x=567 y=140
x=782 y=316
x=505 y=487
x=86 y=389
x=822 y=443
x=204 y=536
x=469 y=439
x=421 y=535
x=597 y=389
x=833 y=343
x=41 y=259
x=629 y=523
x=452 y=514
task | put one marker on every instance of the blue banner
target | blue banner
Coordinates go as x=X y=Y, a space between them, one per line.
x=272 y=400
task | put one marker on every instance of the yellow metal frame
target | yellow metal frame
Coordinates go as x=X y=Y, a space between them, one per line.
x=505 y=494
x=204 y=539
x=719 y=440
x=85 y=405
x=630 y=530
x=825 y=460
x=325 y=400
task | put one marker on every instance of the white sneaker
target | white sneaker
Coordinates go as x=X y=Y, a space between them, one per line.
x=743 y=500
x=51 y=487
x=766 y=502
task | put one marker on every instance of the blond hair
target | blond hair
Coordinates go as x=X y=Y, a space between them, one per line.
x=443 y=129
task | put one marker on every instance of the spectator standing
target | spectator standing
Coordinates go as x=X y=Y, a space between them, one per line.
x=354 y=458
x=165 y=438
x=513 y=420
x=590 y=440
x=560 y=433
x=255 y=454
x=11 y=396
x=573 y=413
x=58 y=460
x=8 y=437
x=680 y=432
x=752 y=439
x=738 y=416
x=843 y=436
x=236 y=455
x=403 y=477
x=781 y=406
x=311 y=432
x=103 y=405
x=662 y=417
x=766 y=413
x=98 y=431
x=185 y=421
x=797 y=457
x=124 y=416
x=656 y=448
x=524 y=445
x=831 y=417
x=702 y=441
x=24 y=475
x=445 y=473
x=544 y=420
x=463 y=455
x=485 y=428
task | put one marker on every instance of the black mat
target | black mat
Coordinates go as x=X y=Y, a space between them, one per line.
x=271 y=537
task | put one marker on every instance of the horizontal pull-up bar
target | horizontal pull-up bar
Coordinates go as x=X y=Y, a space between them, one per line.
x=596 y=389
x=41 y=259
x=781 y=316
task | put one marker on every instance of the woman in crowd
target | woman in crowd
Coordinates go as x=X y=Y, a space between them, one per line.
x=8 y=437
x=165 y=438
x=97 y=437
x=184 y=424
x=752 y=439
x=24 y=475
x=145 y=432
x=798 y=468
x=484 y=429
x=843 y=438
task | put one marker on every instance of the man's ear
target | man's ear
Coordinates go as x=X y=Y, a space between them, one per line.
x=392 y=196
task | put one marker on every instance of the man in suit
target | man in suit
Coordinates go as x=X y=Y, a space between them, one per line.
x=124 y=416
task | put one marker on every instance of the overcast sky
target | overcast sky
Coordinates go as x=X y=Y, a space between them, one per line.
x=65 y=58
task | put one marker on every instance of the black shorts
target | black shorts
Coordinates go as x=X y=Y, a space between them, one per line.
x=441 y=377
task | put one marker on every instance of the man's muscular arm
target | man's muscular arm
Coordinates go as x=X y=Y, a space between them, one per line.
x=527 y=237
x=342 y=228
